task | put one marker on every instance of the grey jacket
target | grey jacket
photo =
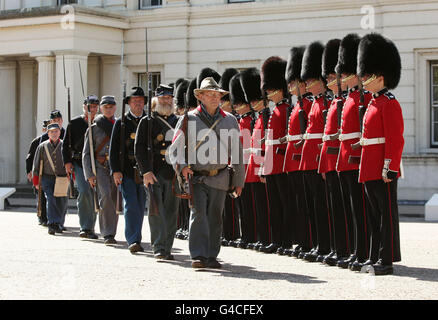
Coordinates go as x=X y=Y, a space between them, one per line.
x=211 y=153
x=56 y=154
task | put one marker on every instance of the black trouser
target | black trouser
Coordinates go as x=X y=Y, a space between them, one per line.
x=384 y=217
x=338 y=223
x=248 y=217
x=298 y=208
x=43 y=217
x=359 y=206
x=263 y=212
x=316 y=201
x=231 y=230
x=183 y=215
x=280 y=215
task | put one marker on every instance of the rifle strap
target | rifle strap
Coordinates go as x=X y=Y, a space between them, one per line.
x=101 y=145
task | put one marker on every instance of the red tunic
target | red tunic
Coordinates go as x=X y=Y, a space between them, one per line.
x=256 y=158
x=315 y=125
x=327 y=162
x=274 y=154
x=245 y=136
x=350 y=124
x=294 y=129
x=383 y=119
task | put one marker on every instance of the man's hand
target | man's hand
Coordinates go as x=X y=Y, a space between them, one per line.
x=185 y=172
x=386 y=180
x=262 y=179
x=149 y=178
x=238 y=191
x=69 y=168
x=118 y=177
x=92 y=182
x=323 y=175
x=29 y=176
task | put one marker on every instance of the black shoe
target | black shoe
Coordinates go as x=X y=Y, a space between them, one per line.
x=288 y=252
x=381 y=269
x=213 y=263
x=280 y=251
x=83 y=234
x=52 y=229
x=199 y=262
x=135 y=247
x=331 y=260
x=109 y=240
x=270 y=248
x=58 y=228
x=233 y=243
x=169 y=257
x=303 y=252
x=258 y=245
x=243 y=244
x=160 y=255
x=224 y=243
x=344 y=263
x=311 y=256
x=295 y=252
x=356 y=265
x=250 y=245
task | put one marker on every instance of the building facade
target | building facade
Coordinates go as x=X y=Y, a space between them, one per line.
x=39 y=37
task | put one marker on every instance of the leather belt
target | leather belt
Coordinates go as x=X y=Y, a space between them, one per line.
x=273 y=142
x=309 y=136
x=208 y=173
x=369 y=142
x=348 y=136
x=294 y=137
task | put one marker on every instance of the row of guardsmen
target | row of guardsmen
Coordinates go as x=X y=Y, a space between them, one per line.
x=320 y=175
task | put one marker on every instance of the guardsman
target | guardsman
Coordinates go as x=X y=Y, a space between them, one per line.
x=329 y=156
x=184 y=211
x=311 y=73
x=73 y=164
x=296 y=129
x=159 y=173
x=274 y=87
x=42 y=220
x=50 y=152
x=250 y=81
x=128 y=176
x=355 y=201
x=107 y=190
x=231 y=214
x=211 y=178
x=379 y=67
x=248 y=213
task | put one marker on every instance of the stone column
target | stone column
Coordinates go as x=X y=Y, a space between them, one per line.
x=46 y=86
x=73 y=80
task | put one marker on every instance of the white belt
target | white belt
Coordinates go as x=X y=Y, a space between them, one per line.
x=308 y=136
x=294 y=137
x=272 y=142
x=325 y=138
x=369 y=142
x=348 y=136
x=252 y=150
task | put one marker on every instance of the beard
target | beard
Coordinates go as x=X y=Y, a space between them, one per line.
x=164 y=109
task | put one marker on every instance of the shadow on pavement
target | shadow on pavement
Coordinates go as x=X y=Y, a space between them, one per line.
x=423 y=274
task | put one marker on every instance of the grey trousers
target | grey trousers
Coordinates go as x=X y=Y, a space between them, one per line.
x=108 y=217
x=205 y=227
x=163 y=225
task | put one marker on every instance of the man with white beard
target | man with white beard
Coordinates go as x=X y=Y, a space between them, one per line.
x=157 y=172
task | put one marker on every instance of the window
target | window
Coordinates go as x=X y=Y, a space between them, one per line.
x=237 y=1
x=155 y=80
x=434 y=103
x=145 y=4
x=62 y=2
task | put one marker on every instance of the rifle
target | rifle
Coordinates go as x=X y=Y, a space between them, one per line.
x=288 y=113
x=90 y=141
x=40 y=192
x=339 y=106
x=362 y=110
x=72 y=184
x=153 y=207
x=301 y=117
x=119 y=200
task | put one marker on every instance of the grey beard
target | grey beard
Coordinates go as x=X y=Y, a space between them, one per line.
x=164 y=110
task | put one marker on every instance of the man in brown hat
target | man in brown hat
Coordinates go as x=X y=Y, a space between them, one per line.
x=207 y=163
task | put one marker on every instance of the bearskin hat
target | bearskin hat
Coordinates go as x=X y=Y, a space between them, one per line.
x=180 y=93
x=347 y=56
x=312 y=61
x=250 y=82
x=293 y=67
x=330 y=57
x=272 y=74
x=191 y=100
x=178 y=81
x=207 y=72
x=237 y=96
x=379 y=55
x=225 y=81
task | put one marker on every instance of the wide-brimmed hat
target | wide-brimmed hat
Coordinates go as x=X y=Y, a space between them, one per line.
x=209 y=84
x=53 y=126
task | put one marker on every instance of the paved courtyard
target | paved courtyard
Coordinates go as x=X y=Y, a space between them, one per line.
x=35 y=265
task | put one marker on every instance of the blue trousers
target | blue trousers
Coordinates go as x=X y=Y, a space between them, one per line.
x=163 y=226
x=56 y=206
x=87 y=216
x=205 y=227
x=134 y=196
